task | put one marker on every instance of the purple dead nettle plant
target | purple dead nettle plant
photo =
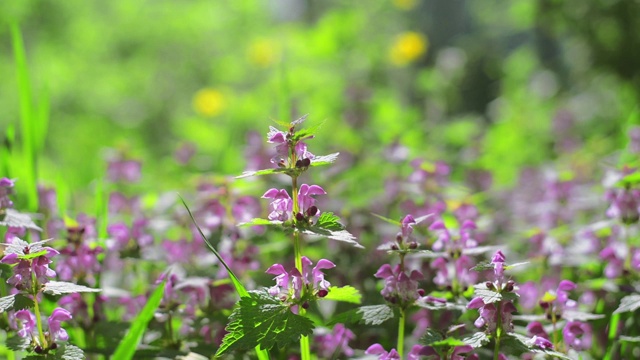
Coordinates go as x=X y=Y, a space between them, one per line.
x=31 y=276
x=295 y=211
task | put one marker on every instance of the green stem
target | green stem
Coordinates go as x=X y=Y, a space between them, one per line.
x=554 y=320
x=36 y=309
x=496 y=349
x=400 y=346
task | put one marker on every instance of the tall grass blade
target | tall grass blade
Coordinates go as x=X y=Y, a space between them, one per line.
x=127 y=347
x=240 y=289
x=28 y=122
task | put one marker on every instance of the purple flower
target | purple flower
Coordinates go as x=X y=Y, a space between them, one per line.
x=498 y=260
x=328 y=344
x=535 y=328
x=425 y=171
x=399 y=288
x=27 y=323
x=124 y=170
x=289 y=284
x=281 y=205
x=577 y=335
x=448 y=241
x=79 y=263
x=55 y=330
x=22 y=273
x=542 y=342
x=280 y=138
x=6 y=189
x=306 y=200
x=489 y=314
x=377 y=349
x=625 y=205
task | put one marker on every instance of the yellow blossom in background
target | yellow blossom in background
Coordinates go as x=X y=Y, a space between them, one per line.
x=209 y=102
x=408 y=47
x=405 y=4
x=263 y=52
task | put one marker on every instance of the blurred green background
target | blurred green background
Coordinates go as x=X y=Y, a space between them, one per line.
x=488 y=85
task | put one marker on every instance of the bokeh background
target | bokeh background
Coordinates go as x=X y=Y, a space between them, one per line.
x=488 y=85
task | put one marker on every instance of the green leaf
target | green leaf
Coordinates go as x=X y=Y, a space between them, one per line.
x=69 y=352
x=262 y=320
x=368 y=315
x=127 y=347
x=33 y=255
x=22 y=302
x=477 y=340
x=346 y=294
x=628 y=303
x=630 y=338
x=329 y=221
x=573 y=315
x=258 y=221
x=511 y=266
x=6 y=303
x=17 y=343
x=490 y=296
x=483 y=265
x=385 y=219
x=61 y=287
x=518 y=344
x=449 y=342
x=240 y=289
x=479 y=250
x=630 y=180
x=13 y=218
x=431 y=336
x=324 y=159
x=263 y=172
x=434 y=305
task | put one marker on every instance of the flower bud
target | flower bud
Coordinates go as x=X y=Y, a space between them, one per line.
x=299 y=163
x=544 y=305
x=38 y=350
x=299 y=217
x=509 y=286
x=306 y=162
x=421 y=292
x=322 y=293
x=53 y=346
x=395 y=247
x=305 y=305
x=413 y=245
x=490 y=285
x=312 y=211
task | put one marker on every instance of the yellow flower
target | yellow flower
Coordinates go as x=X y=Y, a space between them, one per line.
x=408 y=47
x=209 y=102
x=263 y=52
x=405 y=4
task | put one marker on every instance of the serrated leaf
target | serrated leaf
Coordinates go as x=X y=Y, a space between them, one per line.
x=262 y=320
x=324 y=159
x=345 y=294
x=519 y=344
x=61 y=287
x=476 y=340
x=258 y=221
x=16 y=343
x=482 y=266
x=18 y=247
x=263 y=172
x=69 y=352
x=434 y=305
x=511 y=266
x=6 y=303
x=449 y=342
x=13 y=218
x=628 y=303
x=630 y=338
x=479 y=250
x=431 y=336
x=368 y=315
x=573 y=315
x=329 y=221
x=490 y=296
x=340 y=235
x=127 y=347
x=15 y=302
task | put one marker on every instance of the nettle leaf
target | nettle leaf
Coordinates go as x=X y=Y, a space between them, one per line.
x=17 y=343
x=477 y=340
x=61 y=287
x=324 y=159
x=628 y=303
x=630 y=338
x=491 y=296
x=262 y=320
x=519 y=344
x=511 y=266
x=368 y=315
x=479 y=250
x=13 y=218
x=483 y=265
x=346 y=294
x=18 y=247
x=258 y=221
x=263 y=172
x=434 y=305
x=339 y=235
x=329 y=221
x=573 y=315
x=69 y=352
x=431 y=336
x=7 y=302
x=449 y=342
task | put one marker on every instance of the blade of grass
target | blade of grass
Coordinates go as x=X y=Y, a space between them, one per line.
x=127 y=347
x=5 y=150
x=28 y=121
x=240 y=289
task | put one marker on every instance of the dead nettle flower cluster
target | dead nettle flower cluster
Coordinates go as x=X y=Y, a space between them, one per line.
x=296 y=212
x=31 y=277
